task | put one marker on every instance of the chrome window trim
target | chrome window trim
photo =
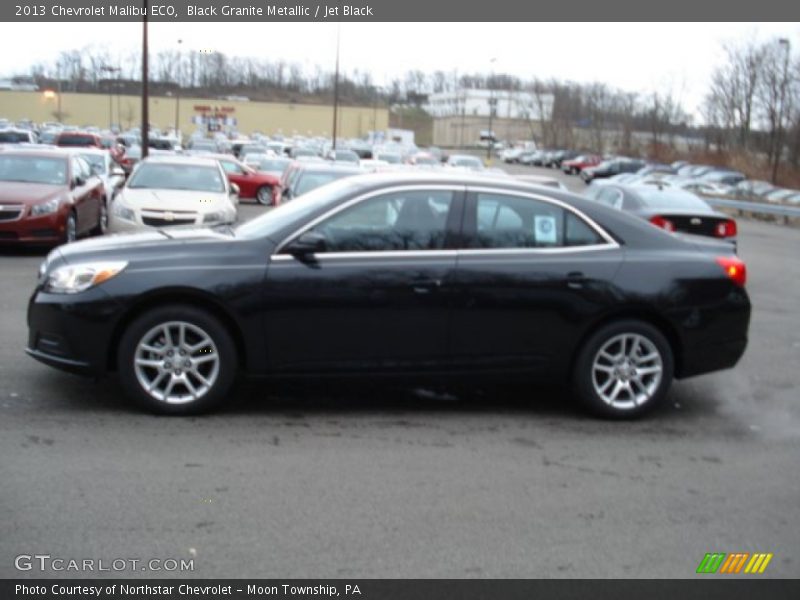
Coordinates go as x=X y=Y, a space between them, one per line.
x=361 y=198
x=610 y=241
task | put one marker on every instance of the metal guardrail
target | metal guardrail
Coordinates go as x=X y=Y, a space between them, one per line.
x=755 y=207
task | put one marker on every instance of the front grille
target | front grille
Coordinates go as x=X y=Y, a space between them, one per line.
x=160 y=222
x=44 y=233
x=10 y=214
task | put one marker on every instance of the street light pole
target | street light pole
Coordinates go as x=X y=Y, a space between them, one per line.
x=779 y=136
x=490 y=141
x=145 y=89
x=109 y=70
x=178 y=96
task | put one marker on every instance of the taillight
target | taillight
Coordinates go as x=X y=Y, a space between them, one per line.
x=725 y=228
x=734 y=268
x=662 y=223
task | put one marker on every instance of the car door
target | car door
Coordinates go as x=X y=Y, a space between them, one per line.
x=236 y=174
x=376 y=297
x=531 y=271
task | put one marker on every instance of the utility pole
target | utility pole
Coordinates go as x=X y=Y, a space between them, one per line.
x=490 y=141
x=336 y=86
x=145 y=89
x=178 y=97
x=779 y=137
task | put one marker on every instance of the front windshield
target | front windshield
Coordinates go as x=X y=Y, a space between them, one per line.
x=33 y=169
x=164 y=176
x=295 y=211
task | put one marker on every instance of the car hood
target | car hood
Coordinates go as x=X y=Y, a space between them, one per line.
x=124 y=246
x=17 y=192
x=175 y=200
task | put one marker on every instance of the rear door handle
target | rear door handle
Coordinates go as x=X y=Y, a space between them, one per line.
x=426 y=286
x=575 y=280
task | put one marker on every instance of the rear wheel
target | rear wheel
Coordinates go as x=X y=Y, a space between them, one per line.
x=264 y=195
x=624 y=370
x=177 y=360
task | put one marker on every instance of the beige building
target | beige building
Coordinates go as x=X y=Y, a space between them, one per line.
x=461 y=131
x=266 y=117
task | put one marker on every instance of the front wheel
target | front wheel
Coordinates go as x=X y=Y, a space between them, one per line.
x=264 y=195
x=623 y=370
x=102 y=219
x=177 y=360
x=71 y=228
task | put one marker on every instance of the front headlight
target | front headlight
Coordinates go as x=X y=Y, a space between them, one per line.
x=71 y=279
x=123 y=212
x=45 y=208
x=213 y=217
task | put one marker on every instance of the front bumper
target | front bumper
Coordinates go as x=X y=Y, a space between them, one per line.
x=46 y=229
x=72 y=332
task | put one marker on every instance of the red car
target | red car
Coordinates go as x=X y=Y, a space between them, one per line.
x=263 y=187
x=49 y=197
x=576 y=165
x=71 y=139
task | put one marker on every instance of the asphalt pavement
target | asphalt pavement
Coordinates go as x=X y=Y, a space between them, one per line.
x=367 y=481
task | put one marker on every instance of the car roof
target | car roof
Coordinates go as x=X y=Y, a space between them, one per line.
x=177 y=159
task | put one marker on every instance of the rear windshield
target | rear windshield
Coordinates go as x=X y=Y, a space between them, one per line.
x=671 y=199
x=76 y=140
x=13 y=137
x=311 y=180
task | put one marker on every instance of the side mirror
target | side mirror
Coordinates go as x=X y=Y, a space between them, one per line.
x=309 y=243
x=235 y=190
x=117 y=172
x=78 y=181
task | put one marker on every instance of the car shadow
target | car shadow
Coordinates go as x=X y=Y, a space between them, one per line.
x=263 y=398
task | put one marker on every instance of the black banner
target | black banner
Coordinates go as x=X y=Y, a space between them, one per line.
x=394 y=10
x=713 y=588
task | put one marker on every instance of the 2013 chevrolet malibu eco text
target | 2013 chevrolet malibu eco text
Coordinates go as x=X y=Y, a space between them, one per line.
x=419 y=276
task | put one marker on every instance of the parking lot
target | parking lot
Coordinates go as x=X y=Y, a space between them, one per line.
x=385 y=482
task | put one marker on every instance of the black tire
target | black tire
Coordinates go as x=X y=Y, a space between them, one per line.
x=71 y=228
x=583 y=376
x=144 y=325
x=264 y=195
x=102 y=219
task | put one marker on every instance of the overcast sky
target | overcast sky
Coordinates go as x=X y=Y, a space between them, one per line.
x=637 y=57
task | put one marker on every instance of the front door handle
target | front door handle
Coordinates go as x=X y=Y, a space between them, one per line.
x=575 y=280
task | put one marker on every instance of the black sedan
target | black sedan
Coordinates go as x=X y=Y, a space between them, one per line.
x=669 y=208
x=422 y=276
x=609 y=168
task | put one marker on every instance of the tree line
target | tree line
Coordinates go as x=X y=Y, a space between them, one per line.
x=752 y=104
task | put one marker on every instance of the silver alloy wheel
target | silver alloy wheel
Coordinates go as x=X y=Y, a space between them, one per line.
x=264 y=195
x=72 y=228
x=627 y=371
x=176 y=362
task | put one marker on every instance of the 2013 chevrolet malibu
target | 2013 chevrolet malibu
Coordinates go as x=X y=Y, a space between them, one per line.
x=418 y=275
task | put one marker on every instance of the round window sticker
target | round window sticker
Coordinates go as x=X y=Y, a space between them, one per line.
x=545 y=229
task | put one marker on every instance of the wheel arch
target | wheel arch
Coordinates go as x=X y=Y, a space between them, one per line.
x=649 y=316
x=193 y=297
